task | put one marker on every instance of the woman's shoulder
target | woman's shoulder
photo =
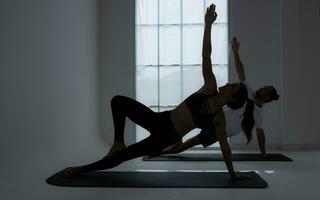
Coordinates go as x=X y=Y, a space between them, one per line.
x=207 y=90
x=219 y=117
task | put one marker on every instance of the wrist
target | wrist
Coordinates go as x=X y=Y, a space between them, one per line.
x=233 y=176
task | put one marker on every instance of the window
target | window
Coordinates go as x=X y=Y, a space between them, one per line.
x=168 y=51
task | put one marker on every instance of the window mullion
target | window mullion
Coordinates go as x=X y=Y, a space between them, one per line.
x=158 y=44
x=181 y=50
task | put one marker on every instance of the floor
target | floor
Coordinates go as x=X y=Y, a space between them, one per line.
x=286 y=180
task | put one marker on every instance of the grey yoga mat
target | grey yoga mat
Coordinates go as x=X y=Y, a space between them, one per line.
x=158 y=179
x=216 y=157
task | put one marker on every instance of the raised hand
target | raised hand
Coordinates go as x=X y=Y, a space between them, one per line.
x=211 y=14
x=235 y=44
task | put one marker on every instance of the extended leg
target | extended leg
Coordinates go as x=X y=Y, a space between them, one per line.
x=141 y=148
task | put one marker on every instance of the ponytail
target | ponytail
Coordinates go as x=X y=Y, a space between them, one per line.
x=248 y=120
x=240 y=98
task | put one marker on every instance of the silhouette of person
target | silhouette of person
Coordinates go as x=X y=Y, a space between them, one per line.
x=254 y=117
x=200 y=109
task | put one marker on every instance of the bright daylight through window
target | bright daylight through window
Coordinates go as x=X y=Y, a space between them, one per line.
x=168 y=51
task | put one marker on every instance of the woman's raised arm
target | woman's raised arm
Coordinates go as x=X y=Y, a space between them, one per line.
x=207 y=72
x=239 y=66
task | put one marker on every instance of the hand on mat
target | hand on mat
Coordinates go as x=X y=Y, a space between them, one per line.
x=266 y=155
x=177 y=148
x=238 y=177
x=70 y=172
x=170 y=151
x=211 y=14
x=235 y=44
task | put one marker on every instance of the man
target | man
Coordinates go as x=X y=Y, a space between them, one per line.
x=259 y=98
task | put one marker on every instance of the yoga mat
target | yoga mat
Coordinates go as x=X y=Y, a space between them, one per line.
x=158 y=179
x=216 y=157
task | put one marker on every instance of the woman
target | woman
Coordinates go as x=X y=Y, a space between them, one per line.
x=252 y=118
x=166 y=128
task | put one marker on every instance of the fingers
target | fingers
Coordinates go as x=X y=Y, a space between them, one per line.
x=235 y=43
x=211 y=8
x=243 y=178
x=235 y=40
x=211 y=11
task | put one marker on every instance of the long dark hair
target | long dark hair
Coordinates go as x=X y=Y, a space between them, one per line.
x=241 y=97
x=248 y=121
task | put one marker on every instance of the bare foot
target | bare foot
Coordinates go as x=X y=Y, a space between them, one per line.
x=70 y=172
x=116 y=147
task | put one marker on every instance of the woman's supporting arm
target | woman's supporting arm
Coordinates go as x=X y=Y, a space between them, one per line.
x=220 y=126
x=261 y=141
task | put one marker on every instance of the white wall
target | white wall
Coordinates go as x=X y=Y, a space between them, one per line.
x=301 y=42
x=116 y=61
x=48 y=87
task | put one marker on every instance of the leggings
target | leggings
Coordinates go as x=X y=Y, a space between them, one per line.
x=162 y=133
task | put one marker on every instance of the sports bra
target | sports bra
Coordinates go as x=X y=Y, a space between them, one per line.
x=200 y=109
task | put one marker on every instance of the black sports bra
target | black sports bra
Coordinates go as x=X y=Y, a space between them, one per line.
x=200 y=109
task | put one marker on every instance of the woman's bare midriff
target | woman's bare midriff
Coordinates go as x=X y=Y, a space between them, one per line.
x=181 y=116
x=182 y=119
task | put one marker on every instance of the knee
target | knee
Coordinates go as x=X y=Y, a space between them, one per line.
x=116 y=100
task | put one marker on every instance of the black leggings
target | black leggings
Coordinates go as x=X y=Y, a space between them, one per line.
x=162 y=133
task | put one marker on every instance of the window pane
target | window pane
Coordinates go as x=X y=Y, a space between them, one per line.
x=147 y=45
x=165 y=108
x=170 y=85
x=191 y=134
x=219 y=37
x=192 y=80
x=169 y=11
x=170 y=45
x=221 y=9
x=146 y=11
x=141 y=133
x=147 y=85
x=221 y=73
x=193 y=11
x=192 y=44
